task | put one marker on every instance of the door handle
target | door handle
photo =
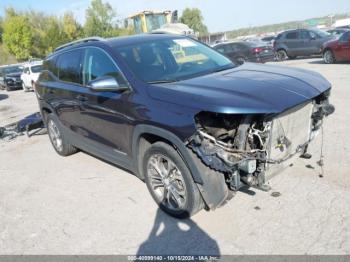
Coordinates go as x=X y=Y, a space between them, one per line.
x=82 y=98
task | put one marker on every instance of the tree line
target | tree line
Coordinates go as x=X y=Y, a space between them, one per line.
x=33 y=34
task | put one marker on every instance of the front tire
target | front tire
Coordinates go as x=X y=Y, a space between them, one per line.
x=169 y=181
x=241 y=60
x=25 y=89
x=57 y=138
x=328 y=57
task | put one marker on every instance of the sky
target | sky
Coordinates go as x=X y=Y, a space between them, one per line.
x=219 y=15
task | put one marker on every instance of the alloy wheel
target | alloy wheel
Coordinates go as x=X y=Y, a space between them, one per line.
x=55 y=135
x=167 y=182
x=328 y=57
x=281 y=55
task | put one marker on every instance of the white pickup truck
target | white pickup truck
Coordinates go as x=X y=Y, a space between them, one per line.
x=30 y=75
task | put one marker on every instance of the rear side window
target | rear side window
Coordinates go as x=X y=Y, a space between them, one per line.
x=98 y=64
x=292 y=35
x=69 y=66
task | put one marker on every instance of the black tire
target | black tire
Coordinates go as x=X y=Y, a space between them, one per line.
x=64 y=148
x=328 y=57
x=281 y=55
x=240 y=60
x=193 y=201
x=8 y=89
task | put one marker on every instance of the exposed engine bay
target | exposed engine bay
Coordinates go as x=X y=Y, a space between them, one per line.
x=248 y=148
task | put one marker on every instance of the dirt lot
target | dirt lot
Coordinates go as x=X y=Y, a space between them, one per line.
x=81 y=205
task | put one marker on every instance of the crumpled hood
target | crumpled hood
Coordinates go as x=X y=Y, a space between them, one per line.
x=250 y=88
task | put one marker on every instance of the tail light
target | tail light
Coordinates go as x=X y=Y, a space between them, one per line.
x=257 y=50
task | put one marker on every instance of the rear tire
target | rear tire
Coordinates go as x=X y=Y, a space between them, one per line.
x=281 y=55
x=170 y=182
x=328 y=57
x=57 y=138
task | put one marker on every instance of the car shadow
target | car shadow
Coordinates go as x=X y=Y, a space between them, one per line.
x=3 y=96
x=170 y=236
x=322 y=62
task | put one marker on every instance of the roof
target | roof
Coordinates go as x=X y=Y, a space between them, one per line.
x=115 y=41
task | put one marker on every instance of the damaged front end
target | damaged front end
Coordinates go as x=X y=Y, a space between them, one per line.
x=248 y=149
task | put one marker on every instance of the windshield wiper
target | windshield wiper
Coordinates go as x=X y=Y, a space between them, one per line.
x=162 y=81
x=223 y=68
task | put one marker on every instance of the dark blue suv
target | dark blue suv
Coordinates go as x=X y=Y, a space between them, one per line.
x=179 y=115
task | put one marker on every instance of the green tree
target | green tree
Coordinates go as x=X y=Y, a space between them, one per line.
x=54 y=35
x=18 y=34
x=71 y=27
x=100 y=20
x=194 y=19
x=1 y=29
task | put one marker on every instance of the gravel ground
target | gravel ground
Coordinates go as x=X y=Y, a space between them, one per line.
x=81 y=205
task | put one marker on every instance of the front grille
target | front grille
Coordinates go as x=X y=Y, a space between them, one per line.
x=289 y=131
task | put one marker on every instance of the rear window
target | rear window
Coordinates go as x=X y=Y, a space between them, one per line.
x=292 y=35
x=69 y=67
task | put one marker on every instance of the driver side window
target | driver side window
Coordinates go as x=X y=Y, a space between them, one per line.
x=345 y=37
x=98 y=64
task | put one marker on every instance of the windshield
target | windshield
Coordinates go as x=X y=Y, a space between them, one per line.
x=13 y=69
x=321 y=33
x=37 y=69
x=155 y=21
x=174 y=59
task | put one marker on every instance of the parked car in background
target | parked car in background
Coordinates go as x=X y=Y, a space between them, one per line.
x=337 y=31
x=268 y=39
x=338 y=49
x=30 y=74
x=10 y=77
x=196 y=128
x=300 y=42
x=240 y=52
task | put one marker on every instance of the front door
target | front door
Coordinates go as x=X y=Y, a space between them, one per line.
x=344 y=47
x=105 y=113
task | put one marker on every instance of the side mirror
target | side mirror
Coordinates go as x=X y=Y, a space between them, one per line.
x=107 y=84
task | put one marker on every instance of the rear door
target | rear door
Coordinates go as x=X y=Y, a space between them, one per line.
x=61 y=87
x=292 y=42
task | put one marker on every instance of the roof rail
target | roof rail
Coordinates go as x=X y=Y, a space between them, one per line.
x=83 y=40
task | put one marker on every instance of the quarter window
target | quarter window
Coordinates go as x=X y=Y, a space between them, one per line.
x=98 y=64
x=69 y=67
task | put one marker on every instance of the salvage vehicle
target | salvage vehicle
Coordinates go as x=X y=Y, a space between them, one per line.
x=337 y=50
x=195 y=130
x=300 y=42
x=10 y=77
x=30 y=75
x=240 y=52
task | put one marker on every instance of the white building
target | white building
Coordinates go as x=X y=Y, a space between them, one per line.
x=342 y=22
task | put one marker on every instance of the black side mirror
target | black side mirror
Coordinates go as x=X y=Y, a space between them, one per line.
x=107 y=84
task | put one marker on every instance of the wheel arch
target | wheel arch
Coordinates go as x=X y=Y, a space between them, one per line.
x=210 y=183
